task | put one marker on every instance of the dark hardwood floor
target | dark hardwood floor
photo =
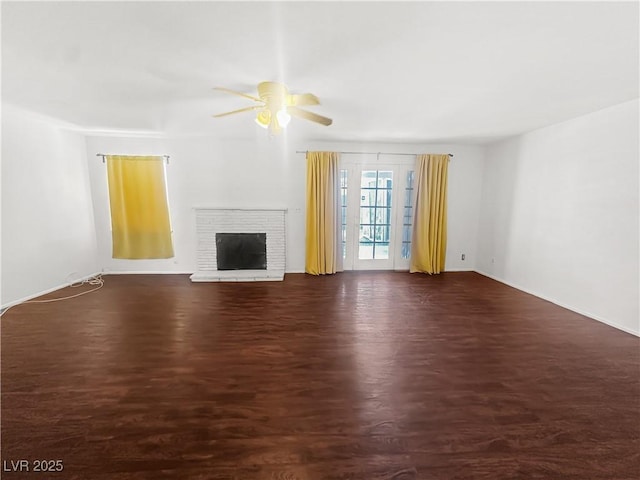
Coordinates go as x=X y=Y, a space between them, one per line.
x=357 y=376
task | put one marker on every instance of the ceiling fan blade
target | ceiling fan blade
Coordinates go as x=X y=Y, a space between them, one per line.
x=303 y=99
x=246 y=109
x=233 y=92
x=314 y=117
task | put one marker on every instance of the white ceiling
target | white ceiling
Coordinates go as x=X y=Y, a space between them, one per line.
x=468 y=72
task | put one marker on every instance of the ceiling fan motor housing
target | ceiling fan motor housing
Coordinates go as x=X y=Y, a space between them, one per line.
x=274 y=95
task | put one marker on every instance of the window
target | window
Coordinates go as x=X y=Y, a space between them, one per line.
x=343 y=202
x=407 y=218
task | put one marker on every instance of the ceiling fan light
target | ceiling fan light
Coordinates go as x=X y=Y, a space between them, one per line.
x=263 y=118
x=283 y=118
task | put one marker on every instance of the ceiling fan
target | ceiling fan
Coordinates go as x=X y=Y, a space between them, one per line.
x=275 y=106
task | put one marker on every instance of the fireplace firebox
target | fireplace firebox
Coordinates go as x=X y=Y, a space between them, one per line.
x=241 y=251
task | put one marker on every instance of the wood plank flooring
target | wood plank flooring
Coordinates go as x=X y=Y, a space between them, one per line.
x=357 y=376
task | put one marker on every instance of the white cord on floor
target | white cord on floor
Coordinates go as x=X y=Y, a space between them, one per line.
x=94 y=280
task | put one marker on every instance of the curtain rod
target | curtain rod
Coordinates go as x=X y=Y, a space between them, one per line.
x=372 y=153
x=166 y=157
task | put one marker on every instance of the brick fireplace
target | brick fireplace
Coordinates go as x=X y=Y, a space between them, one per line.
x=213 y=221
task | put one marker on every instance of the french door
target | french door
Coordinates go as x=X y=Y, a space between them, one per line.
x=377 y=213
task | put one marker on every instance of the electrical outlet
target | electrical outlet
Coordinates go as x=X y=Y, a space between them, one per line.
x=463 y=256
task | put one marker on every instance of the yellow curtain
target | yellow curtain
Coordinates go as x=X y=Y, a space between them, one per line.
x=429 y=241
x=139 y=211
x=323 y=252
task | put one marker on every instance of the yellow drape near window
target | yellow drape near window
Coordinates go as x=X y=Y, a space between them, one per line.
x=140 y=223
x=323 y=252
x=429 y=241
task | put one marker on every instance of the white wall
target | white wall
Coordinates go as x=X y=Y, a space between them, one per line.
x=48 y=236
x=559 y=214
x=205 y=171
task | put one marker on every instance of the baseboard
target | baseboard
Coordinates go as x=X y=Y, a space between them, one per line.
x=49 y=290
x=146 y=272
x=164 y=272
x=405 y=270
x=561 y=304
x=155 y=272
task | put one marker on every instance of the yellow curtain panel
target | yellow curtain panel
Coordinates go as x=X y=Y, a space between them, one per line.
x=323 y=252
x=429 y=241
x=139 y=212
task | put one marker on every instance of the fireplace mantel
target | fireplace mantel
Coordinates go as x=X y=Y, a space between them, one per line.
x=210 y=221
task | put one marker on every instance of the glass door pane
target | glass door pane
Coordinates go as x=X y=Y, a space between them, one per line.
x=376 y=189
x=407 y=218
x=343 y=201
